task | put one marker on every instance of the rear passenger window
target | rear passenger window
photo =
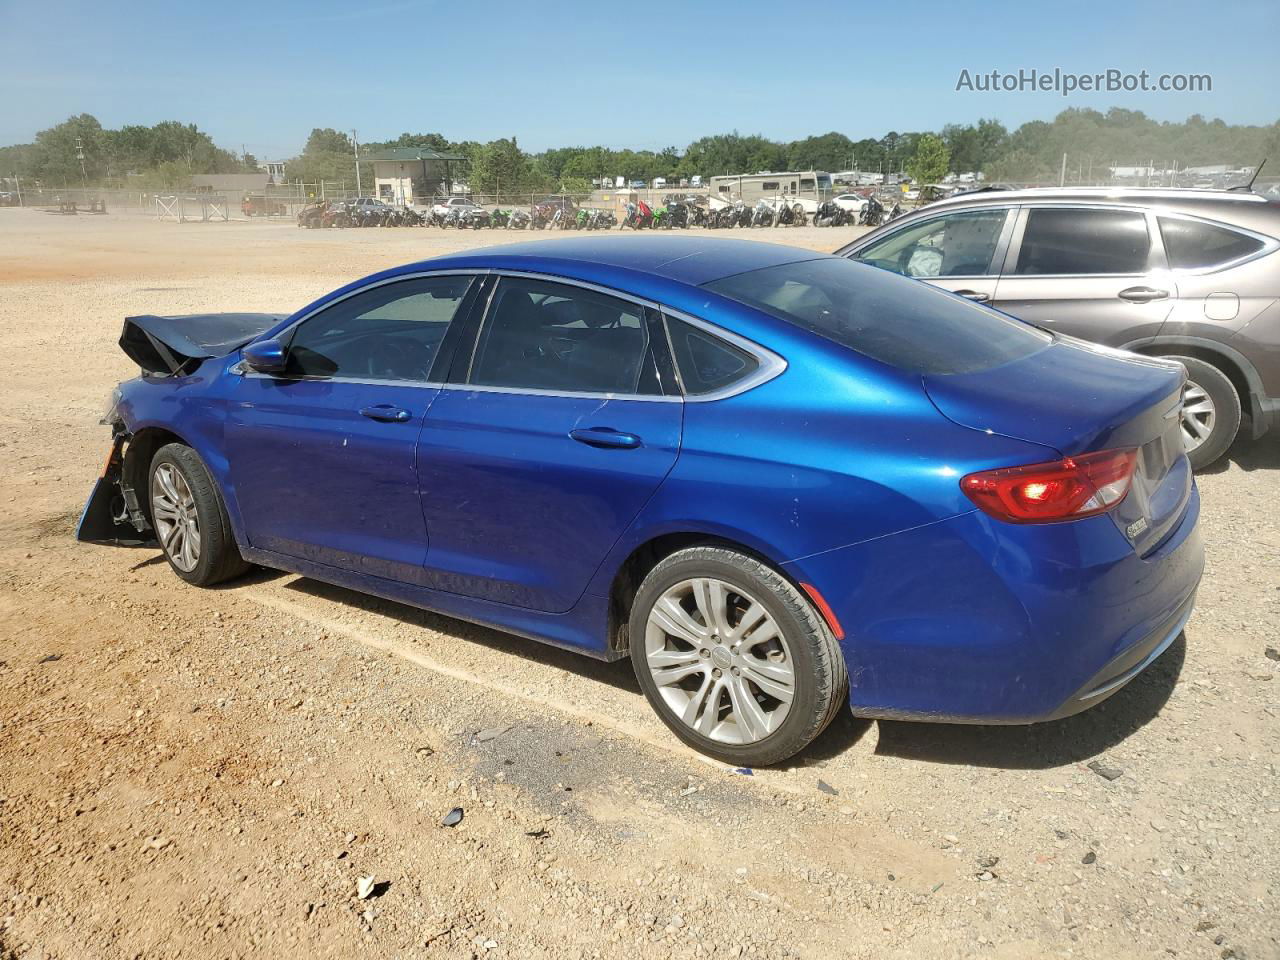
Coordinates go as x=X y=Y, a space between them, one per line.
x=706 y=362
x=1194 y=244
x=553 y=336
x=1084 y=242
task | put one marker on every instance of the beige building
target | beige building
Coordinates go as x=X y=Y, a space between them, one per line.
x=412 y=174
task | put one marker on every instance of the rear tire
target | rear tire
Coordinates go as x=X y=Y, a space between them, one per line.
x=1211 y=414
x=190 y=518
x=786 y=660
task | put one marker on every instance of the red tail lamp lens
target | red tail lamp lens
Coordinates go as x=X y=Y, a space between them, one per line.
x=1050 y=492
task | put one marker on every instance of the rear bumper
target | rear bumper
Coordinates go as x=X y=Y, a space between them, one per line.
x=970 y=620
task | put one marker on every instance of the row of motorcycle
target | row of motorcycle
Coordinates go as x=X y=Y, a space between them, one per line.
x=676 y=213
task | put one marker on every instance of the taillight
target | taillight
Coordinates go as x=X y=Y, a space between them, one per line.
x=1051 y=492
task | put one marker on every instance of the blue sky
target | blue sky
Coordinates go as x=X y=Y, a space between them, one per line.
x=645 y=75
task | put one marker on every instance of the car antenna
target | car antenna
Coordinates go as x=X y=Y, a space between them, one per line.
x=1246 y=187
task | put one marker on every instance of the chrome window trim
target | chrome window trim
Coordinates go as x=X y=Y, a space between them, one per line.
x=770 y=366
x=1269 y=244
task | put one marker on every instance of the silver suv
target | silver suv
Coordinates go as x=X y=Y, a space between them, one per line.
x=1188 y=274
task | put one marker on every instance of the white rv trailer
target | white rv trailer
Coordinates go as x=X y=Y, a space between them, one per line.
x=809 y=188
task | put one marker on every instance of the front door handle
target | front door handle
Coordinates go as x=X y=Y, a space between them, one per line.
x=385 y=413
x=1142 y=294
x=605 y=437
x=976 y=295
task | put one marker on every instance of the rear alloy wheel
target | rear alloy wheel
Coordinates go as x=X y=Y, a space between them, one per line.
x=1210 y=412
x=733 y=657
x=190 y=520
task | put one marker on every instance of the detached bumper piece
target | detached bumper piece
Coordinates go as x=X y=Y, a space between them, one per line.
x=112 y=514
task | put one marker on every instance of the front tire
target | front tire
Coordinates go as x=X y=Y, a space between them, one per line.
x=733 y=657
x=190 y=519
x=1210 y=412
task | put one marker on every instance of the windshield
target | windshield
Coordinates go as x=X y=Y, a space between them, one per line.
x=902 y=322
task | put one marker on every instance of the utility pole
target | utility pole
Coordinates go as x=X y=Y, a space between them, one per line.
x=1062 y=177
x=355 y=145
x=84 y=177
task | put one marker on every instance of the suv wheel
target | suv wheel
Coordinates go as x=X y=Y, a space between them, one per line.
x=1210 y=412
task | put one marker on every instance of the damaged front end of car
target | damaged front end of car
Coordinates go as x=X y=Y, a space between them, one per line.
x=114 y=513
x=167 y=349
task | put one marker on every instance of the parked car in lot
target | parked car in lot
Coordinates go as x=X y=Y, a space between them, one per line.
x=853 y=202
x=1188 y=274
x=458 y=205
x=782 y=482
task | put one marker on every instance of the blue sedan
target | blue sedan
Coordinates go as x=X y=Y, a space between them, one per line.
x=781 y=482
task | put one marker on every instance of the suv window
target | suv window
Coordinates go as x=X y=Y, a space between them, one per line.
x=392 y=332
x=706 y=362
x=541 y=335
x=1194 y=244
x=1076 y=241
x=956 y=245
x=913 y=326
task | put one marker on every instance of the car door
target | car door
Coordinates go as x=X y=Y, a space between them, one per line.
x=323 y=456
x=1092 y=272
x=558 y=430
x=959 y=251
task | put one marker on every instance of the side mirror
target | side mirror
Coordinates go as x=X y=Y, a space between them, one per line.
x=265 y=356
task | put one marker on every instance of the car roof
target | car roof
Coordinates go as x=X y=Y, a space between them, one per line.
x=693 y=260
x=1239 y=207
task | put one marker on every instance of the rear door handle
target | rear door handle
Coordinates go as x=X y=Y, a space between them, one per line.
x=976 y=295
x=385 y=413
x=605 y=437
x=1142 y=294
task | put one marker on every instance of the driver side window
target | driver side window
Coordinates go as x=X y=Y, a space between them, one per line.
x=391 y=332
x=959 y=244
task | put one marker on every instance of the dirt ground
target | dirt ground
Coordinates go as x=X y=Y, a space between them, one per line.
x=208 y=773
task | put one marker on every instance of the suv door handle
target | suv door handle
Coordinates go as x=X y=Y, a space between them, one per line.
x=1142 y=294
x=605 y=437
x=975 y=295
x=385 y=413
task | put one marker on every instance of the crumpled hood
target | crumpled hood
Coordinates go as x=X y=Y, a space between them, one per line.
x=166 y=345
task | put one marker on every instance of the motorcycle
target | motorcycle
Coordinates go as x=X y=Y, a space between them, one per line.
x=639 y=215
x=762 y=214
x=872 y=213
x=474 y=218
x=896 y=211
x=831 y=214
x=518 y=220
x=500 y=219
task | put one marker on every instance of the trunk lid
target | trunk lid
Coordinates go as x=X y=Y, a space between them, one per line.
x=1077 y=397
x=172 y=345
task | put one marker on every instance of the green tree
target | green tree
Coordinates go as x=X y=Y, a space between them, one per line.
x=930 y=161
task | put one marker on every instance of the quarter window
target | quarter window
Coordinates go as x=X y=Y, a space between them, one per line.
x=957 y=245
x=551 y=336
x=1194 y=244
x=706 y=362
x=1070 y=241
x=391 y=332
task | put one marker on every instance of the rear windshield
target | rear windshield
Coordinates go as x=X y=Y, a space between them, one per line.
x=902 y=322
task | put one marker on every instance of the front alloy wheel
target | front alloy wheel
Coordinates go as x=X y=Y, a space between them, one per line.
x=173 y=507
